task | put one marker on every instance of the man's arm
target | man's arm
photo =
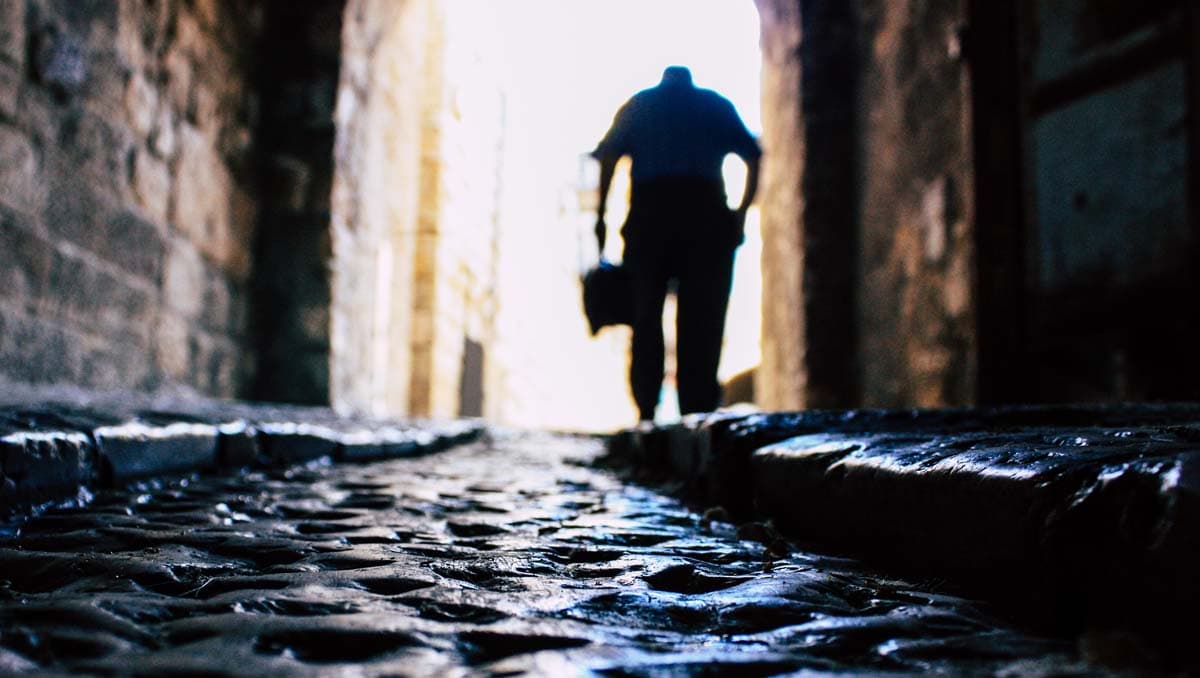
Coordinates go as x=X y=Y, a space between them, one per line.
x=608 y=166
x=739 y=215
x=751 y=188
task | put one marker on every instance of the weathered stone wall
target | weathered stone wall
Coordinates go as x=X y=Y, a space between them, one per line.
x=866 y=205
x=375 y=201
x=455 y=267
x=126 y=192
x=809 y=210
x=420 y=123
x=915 y=300
x=781 y=379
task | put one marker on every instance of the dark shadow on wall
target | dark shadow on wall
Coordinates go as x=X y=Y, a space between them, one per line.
x=298 y=83
x=470 y=390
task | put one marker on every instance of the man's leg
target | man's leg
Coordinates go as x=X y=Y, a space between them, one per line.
x=703 y=296
x=646 y=352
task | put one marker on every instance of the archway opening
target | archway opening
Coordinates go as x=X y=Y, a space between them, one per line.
x=464 y=200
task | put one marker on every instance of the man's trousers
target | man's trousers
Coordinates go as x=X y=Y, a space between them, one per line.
x=680 y=234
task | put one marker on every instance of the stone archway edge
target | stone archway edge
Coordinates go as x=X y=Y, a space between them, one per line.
x=53 y=452
x=1076 y=515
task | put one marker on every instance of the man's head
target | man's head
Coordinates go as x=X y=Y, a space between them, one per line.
x=677 y=76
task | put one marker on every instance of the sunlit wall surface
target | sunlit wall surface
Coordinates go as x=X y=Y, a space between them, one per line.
x=565 y=67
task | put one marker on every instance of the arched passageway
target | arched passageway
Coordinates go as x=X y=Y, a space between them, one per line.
x=463 y=197
x=883 y=282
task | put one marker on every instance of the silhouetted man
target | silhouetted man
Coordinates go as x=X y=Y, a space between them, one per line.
x=679 y=229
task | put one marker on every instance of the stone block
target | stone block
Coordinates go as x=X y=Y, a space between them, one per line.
x=12 y=32
x=61 y=62
x=381 y=443
x=79 y=209
x=184 y=279
x=207 y=357
x=20 y=188
x=152 y=186
x=137 y=450
x=96 y=299
x=238 y=445
x=134 y=245
x=141 y=105
x=164 y=139
x=101 y=367
x=208 y=13
x=126 y=311
x=178 y=68
x=204 y=109
x=40 y=466
x=72 y=282
x=288 y=443
x=242 y=224
x=189 y=36
x=36 y=350
x=97 y=149
x=172 y=353
x=24 y=262
x=203 y=190
x=227 y=372
x=218 y=300
x=10 y=90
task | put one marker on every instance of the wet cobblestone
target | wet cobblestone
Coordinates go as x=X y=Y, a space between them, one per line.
x=510 y=556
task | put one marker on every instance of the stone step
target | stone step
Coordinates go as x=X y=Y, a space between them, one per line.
x=52 y=452
x=1089 y=514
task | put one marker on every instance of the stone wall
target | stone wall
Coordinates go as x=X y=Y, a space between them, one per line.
x=809 y=211
x=455 y=291
x=375 y=195
x=915 y=300
x=780 y=380
x=867 y=205
x=126 y=192
x=414 y=212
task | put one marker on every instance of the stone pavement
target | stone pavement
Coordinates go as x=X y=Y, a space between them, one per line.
x=514 y=554
x=59 y=447
x=1083 y=517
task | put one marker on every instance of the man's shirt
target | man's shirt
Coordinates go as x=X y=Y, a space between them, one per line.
x=677 y=130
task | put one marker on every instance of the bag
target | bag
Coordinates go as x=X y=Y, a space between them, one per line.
x=607 y=296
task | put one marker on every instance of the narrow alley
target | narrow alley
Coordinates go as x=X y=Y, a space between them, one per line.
x=508 y=556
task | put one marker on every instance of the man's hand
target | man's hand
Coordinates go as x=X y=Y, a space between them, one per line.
x=601 y=233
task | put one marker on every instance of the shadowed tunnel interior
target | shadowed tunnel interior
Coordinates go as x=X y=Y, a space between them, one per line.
x=378 y=211
x=339 y=202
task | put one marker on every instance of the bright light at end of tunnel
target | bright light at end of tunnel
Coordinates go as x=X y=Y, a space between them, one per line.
x=565 y=67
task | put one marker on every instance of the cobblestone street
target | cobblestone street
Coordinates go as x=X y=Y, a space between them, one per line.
x=512 y=555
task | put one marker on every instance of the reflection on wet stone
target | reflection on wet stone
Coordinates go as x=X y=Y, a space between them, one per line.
x=512 y=556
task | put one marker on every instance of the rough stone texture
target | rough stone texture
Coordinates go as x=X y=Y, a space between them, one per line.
x=1039 y=507
x=512 y=557
x=915 y=306
x=414 y=212
x=375 y=201
x=114 y=164
x=57 y=446
x=867 y=204
x=782 y=378
x=12 y=32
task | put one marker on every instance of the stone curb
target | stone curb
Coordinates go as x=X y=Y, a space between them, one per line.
x=1092 y=514
x=56 y=452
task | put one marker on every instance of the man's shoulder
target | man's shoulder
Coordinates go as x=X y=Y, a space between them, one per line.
x=713 y=99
